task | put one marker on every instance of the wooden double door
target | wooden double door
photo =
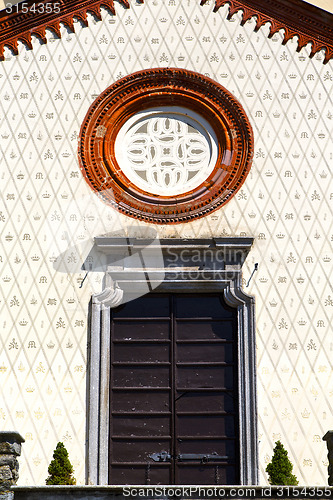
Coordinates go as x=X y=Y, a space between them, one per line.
x=174 y=391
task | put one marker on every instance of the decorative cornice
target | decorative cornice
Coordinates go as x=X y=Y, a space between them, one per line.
x=20 y=26
x=297 y=18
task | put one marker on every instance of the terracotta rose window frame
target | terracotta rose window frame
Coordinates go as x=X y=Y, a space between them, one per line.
x=144 y=93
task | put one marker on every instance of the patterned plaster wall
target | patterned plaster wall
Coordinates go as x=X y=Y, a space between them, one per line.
x=47 y=212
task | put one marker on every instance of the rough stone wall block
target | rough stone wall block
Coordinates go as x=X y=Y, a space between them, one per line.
x=329 y=441
x=10 y=449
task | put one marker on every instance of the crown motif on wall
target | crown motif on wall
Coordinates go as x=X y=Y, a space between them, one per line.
x=305 y=413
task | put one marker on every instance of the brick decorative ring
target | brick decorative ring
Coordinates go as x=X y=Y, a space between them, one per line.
x=166 y=145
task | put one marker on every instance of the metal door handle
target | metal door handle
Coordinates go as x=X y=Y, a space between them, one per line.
x=203 y=457
x=163 y=456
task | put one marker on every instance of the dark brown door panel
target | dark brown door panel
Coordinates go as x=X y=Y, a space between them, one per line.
x=174 y=391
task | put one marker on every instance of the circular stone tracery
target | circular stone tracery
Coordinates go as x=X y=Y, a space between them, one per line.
x=165 y=145
x=166 y=152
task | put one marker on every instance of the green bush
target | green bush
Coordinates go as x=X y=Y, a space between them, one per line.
x=280 y=468
x=60 y=469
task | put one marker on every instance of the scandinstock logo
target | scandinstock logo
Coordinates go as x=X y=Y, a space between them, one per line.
x=93 y=244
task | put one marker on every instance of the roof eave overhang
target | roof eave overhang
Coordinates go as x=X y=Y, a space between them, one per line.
x=295 y=18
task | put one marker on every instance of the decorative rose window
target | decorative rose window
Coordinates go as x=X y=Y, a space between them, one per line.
x=165 y=151
x=166 y=145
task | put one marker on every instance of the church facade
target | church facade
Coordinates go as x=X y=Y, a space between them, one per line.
x=166 y=238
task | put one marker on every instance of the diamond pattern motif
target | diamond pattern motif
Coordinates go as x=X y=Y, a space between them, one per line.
x=47 y=210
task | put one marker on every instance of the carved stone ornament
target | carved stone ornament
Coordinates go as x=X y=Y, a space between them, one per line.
x=111 y=296
x=166 y=145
